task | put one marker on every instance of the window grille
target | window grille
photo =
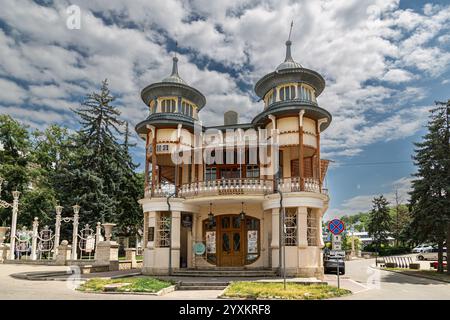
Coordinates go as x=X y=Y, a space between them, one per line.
x=311 y=228
x=290 y=227
x=163 y=230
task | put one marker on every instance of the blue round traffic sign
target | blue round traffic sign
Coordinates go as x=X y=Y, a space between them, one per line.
x=336 y=226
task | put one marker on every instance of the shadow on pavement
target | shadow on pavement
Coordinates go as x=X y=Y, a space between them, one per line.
x=394 y=277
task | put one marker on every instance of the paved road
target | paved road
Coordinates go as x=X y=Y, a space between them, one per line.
x=12 y=289
x=365 y=282
x=370 y=283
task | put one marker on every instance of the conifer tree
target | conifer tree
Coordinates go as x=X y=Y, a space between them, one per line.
x=93 y=177
x=379 y=224
x=130 y=190
x=430 y=195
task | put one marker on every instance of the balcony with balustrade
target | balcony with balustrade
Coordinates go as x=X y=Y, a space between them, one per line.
x=236 y=187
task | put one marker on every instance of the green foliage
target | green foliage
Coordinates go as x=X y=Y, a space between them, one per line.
x=384 y=250
x=430 y=195
x=134 y=284
x=379 y=223
x=92 y=167
x=359 y=221
x=275 y=290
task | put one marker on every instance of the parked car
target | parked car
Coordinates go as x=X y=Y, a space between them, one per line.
x=432 y=254
x=422 y=248
x=434 y=265
x=330 y=265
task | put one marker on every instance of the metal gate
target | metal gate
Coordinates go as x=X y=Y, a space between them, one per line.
x=86 y=244
x=46 y=244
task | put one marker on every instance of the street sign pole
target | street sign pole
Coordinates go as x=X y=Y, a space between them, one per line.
x=336 y=227
x=338 y=273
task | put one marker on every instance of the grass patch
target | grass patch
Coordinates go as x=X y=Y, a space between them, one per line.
x=137 y=284
x=275 y=290
x=425 y=273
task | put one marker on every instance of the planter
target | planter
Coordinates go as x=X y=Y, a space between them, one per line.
x=415 y=266
x=108 y=230
x=391 y=265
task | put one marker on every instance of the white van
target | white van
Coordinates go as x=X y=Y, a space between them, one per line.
x=432 y=254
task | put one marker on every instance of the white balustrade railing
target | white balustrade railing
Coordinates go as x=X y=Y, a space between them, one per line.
x=236 y=186
x=226 y=186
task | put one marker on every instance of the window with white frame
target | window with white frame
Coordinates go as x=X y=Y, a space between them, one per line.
x=270 y=98
x=187 y=108
x=168 y=105
x=311 y=222
x=163 y=230
x=290 y=227
x=287 y=93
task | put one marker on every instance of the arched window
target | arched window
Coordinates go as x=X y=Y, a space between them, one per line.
x=187 y=109
x=270 y=98
x=168 y=105
x=287 y=93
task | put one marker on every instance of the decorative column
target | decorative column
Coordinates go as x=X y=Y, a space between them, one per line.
x=12 y=248
x=319 y=173
x=76 y=211
x=154 y=161
x=275 y=244
x=57 y=229
x=108 y=251
x=175 y=238
x=98 y=234
x=302 y=227
x=147 y=161
x=34 y=238
x=301 y=152
x=3 y=248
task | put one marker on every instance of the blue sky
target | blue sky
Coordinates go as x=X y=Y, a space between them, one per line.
x=385 y=62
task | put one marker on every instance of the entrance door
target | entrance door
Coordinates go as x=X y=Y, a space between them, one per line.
x=231 y=241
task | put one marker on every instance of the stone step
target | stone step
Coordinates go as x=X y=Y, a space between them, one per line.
x=215 y=273
x=185 y=288
x=200 y=283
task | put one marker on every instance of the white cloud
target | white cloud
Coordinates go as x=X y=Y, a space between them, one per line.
x=398 y=75
x=351 y=43
x=10 y=92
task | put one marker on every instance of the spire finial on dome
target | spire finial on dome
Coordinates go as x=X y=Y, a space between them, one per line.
x=289 y=62
x=174 y=76
x=288 y=45
x=175 y=67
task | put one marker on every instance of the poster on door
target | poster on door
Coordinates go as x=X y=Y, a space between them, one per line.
x=210 y=242
x=252 y=241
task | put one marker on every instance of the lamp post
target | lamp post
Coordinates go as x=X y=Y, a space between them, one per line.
x=57 y=228
x=76 y=211
x=16 y=195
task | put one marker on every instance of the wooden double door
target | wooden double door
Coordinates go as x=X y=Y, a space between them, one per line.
x=230 y=241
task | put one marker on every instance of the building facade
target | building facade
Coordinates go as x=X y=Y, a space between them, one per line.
x=227 y=196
